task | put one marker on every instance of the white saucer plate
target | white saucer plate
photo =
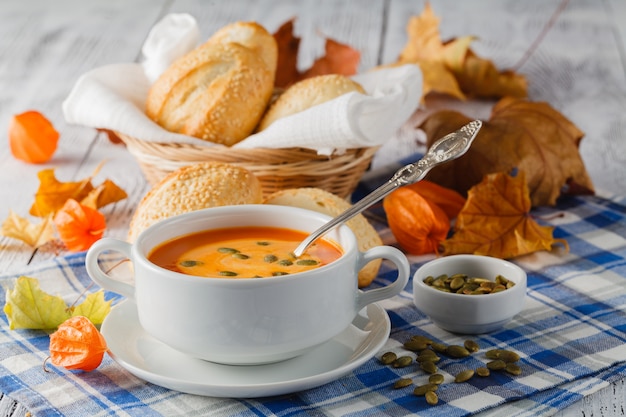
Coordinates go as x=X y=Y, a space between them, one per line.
x=155 y=362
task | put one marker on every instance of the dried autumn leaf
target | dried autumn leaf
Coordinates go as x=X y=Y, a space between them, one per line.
x=79 y=226
x=34 y=235
x=288 y=45
x=530 y=136
x=52 y=194
x=32 y=138
x=451 y=67
x=417 y=224
x=339 y=58
x=27 y=306
x=106 y=193
x=496 y=221
x=77 y=344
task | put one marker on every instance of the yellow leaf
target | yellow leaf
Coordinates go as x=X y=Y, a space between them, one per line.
x=52 y=194
x=29 y=307
x=496 y=221
x=94 y=307
x=451 y=67
x=34 y=235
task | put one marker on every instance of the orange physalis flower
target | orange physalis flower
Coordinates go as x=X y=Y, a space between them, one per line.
x=32 y=137
x=79 y=226
x=450 y=201
x=417 y=224
x=77 y=344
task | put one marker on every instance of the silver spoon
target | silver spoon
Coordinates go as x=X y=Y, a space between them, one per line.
x=445 y=149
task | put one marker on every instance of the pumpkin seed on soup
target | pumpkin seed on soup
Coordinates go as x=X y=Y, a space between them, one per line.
x=306 y=262
x=227 y=250
x=270 y=258
x=189 y=263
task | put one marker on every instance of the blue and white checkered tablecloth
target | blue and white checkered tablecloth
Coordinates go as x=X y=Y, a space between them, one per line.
x=571 y=337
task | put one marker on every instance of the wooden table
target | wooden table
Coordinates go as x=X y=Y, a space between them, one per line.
x=579 y=67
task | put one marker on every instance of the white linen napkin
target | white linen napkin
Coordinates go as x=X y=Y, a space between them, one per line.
x=113 y=97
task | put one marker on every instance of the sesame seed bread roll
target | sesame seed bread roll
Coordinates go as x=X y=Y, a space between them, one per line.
x=195 y=187
x=322 y=201
x=308 y=93
x=218 y=91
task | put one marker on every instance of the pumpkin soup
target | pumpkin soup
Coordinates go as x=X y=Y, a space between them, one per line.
x=242 y=252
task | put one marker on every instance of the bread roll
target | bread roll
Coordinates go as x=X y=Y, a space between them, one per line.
x=195 y=187
x=322 y=201
x=218 y=91
x=308 y=93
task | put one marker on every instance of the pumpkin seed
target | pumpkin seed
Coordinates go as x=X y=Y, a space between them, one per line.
x=496 y=365
x=423 y=389
x=431 y=398
x=513 y=369
x=471 y=345
x=508 y=356
x=415 y=345
x=285 y=262
x=427 y=357
x=227 y=250
x=279 y=273
x=422 y=339
x=402 y=362
x=482 y=371
x=403 y=382
x=388 y=358
x=429 y=367
x=464 y=375
x=306 y=262
x=239 y=255
x=189 y=263
x=263 y=243
x=439 y=347
x=436 y=379
x=493 y=354
x=457 y=351
x=228 y=273
x=270 y=258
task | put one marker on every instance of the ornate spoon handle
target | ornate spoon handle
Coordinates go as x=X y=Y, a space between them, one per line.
x=445 y=149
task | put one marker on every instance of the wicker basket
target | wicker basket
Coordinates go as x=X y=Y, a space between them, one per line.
x=277 y=169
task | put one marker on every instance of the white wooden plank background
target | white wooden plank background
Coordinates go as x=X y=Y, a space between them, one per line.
x=579 y=68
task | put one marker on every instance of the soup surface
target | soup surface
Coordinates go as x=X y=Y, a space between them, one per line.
x=242 y=252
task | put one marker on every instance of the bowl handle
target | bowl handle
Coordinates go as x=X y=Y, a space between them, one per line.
x=98 y=275
x=399 y=259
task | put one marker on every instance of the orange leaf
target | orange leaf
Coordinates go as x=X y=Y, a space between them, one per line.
x=288 y=45
x=52 y=194
x=79 y=226
x=448 y=200
x=417 y=224
x=338 y=59
x=32 y=137
x=533 y=137
x=496 y=221
x=77 y=344
x=106 y=193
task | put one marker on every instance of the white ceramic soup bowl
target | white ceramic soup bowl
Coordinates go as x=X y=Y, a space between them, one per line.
x=464 y=313
x=246 y=321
